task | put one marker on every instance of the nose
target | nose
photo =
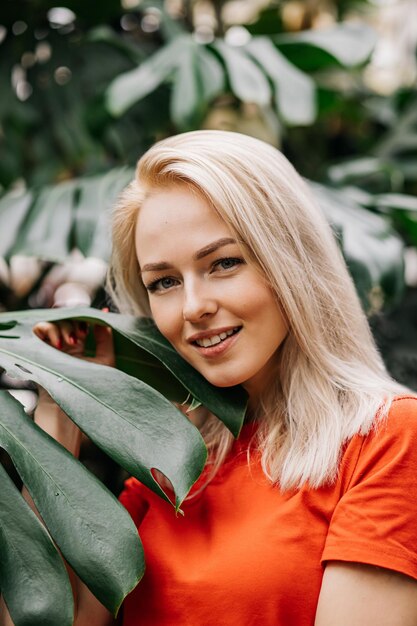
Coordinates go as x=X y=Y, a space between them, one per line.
x=198 y=302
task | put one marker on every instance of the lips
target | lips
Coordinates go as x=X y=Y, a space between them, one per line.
x=212 y=343
x=213 y=340
x=213 y=336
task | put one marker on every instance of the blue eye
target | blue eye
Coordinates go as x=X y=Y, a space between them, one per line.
x=227 y=263
x=166 y=283
x=161 y=284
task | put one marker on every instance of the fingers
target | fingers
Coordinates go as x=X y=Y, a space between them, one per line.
x=103 y=336
x=104 y=345
x=49 y=333
x=70 y=337
x=67 y=335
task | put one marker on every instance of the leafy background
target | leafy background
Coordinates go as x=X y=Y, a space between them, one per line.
x=85 y=90
x=88 y=87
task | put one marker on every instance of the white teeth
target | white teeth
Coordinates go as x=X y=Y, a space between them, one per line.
x=215 y=339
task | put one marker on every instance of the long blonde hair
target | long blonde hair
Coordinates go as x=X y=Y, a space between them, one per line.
x=332 y=380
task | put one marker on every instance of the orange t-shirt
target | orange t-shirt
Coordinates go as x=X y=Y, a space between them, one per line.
x=247 y=554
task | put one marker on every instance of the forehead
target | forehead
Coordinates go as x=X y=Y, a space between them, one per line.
x=172 y=218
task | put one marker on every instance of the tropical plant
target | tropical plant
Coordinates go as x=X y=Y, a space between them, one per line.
x=283 y=75
x=84 y=93
x=50 y=223
x=124 y=412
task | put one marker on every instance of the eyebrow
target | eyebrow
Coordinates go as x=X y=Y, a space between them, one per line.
x=200 y=254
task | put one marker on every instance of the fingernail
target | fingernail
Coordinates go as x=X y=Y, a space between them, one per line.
x=105 y=309
x=72 y=339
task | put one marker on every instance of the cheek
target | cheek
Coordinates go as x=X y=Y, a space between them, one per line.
x=166 y=319
x=272 y=316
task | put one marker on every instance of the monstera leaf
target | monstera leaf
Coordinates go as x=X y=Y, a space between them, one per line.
x=33 y=578
x=77 y=510
x=372 y=249
x=125 y=414
x=141 y=351
x=51 y=221
x=376 y=264
x=264 y=71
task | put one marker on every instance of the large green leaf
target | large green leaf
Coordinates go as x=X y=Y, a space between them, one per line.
x=401 y=139
x=401 y=208
x=134 y=85
x=47 y=226
x=79 y=512
x=13 y=210
x=137 y=426
x=186 y=101
x=383 y=202
x=294 y=90
x=199 y=78
x=372 y=249
x=96 y=196
x=211 y=73
x=247 y=81
x=50 y=223
x=140 y=351
x=367 y=170
x=403 y=201
x=196 y=74
x=349 y=44
x=33 y=579
x=133 y=423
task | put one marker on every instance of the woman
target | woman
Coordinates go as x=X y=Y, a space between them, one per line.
x=310 y=517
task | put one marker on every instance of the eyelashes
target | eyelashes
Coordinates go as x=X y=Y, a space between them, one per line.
x=165 y=283
x=228 y=262
x=158 y=284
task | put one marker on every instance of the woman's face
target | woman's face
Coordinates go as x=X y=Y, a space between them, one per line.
x=211 y=304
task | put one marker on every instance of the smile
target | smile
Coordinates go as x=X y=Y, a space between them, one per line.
x=206 y=342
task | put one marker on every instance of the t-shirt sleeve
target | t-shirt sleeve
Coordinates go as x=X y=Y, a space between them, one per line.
x=133 y=499
x=375 y=521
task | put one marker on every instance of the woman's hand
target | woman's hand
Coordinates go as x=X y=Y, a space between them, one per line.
x=70 y=337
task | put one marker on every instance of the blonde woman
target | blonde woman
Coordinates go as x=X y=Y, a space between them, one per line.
x=310 y=517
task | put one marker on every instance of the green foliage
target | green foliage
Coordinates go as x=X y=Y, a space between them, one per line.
x=294 y=91
x=33 y=578
x=373 y=252
x=371 y=248
x=151 y=350
x=50 y=222
x=257 y=72
x=347 y=45
x=74 y=505
x=127 y=418
x=87 y=99
x=385 y=180
x=103 y=90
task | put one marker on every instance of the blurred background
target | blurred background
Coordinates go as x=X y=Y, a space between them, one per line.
x=87 y=87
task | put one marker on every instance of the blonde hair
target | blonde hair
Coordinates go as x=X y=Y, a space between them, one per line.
x=332 y=380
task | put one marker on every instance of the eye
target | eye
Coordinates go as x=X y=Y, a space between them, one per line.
x=227 y=263
x=161 y=284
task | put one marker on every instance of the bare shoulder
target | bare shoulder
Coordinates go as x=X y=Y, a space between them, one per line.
x=354 y=594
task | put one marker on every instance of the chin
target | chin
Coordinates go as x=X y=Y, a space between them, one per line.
x=223 y=381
